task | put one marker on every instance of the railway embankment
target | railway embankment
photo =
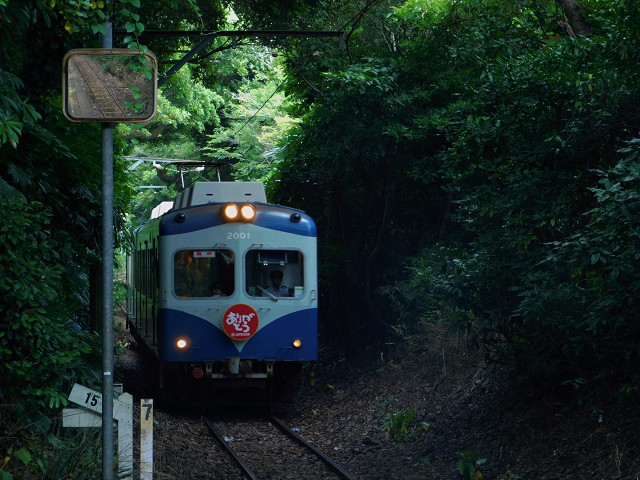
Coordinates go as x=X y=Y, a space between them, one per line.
x=424 y=412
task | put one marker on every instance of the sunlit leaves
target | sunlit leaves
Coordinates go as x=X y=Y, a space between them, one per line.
x=253 y=118
x=367 y=74
x=421 y=13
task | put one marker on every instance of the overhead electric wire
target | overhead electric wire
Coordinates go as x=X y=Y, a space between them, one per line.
x=259 y=109
x=356 y=17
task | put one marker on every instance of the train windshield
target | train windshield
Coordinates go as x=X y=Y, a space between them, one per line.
x=203 y=273
x=274 y=273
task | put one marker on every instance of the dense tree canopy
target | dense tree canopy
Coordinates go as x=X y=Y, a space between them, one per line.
x=472 y=163
x=484 y=135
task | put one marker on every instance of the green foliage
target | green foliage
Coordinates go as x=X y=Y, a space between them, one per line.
x=597 y=269
x=467 y=465
x=42 y=350
x=253 y=116
x=38 y=336
x=493 y=155
x=75 y=455
x=398 y=423
x=355 y=164
x=361 y=78
x=188 y=104
x=43 y=449
x=240 y=118
x=119 y=293
x=525 y=149
x=527 y=120
x=15 y=111
x=49 y=179
x=281 y=14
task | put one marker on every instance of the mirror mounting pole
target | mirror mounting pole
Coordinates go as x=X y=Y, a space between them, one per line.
x=106 y=41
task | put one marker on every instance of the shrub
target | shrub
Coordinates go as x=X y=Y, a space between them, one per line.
x=41 y=346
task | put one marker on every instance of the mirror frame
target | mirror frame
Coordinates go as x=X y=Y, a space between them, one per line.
x=71 y=107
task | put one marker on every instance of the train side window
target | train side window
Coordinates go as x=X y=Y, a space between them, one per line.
x=203 y=273
x=274 y=273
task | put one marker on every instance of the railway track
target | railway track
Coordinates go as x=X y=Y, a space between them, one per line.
x=104 y=98
x=273 y=450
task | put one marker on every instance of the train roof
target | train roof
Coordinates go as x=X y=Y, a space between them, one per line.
x=161 y=209
x=202 y=193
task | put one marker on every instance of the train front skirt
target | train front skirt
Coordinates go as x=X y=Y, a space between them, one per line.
x=291 y=338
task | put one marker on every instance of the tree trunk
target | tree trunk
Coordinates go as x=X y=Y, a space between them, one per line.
x=576 y=20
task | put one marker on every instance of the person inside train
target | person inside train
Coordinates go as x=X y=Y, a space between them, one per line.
x=196 y=282
x=276 y=287
x=215 y=290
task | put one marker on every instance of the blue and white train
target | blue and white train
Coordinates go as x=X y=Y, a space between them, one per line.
x=200 y=291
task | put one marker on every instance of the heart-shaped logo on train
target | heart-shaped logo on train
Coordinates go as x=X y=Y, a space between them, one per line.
x=240 y=322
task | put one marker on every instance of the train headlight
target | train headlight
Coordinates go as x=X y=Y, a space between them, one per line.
x=248 y=212
x=182 y=343
x=231 y=211
x=297 y=343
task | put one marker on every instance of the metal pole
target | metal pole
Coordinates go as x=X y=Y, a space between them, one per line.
x=106 y=41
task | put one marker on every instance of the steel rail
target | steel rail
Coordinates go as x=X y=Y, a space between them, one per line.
x=98 y=88
x=321 y=455
x=105 y=88
x=334 y=466
x=230 y=450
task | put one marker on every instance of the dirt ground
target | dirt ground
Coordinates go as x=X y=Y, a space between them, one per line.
x=430 y=410
x=463 y=416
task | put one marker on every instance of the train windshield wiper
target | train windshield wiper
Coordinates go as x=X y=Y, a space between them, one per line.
x=269 y=294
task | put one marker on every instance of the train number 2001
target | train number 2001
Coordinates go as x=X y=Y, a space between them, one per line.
x=238 y=236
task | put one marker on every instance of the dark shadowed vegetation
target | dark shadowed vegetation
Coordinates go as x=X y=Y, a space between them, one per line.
x=471 y=165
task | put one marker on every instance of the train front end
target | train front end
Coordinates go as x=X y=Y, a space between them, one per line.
x=219 y=316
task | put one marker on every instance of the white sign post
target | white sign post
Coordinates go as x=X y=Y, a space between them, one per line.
x=146 y=439
x=90 y=415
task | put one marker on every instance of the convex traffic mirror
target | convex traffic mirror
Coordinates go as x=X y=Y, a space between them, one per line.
x=109 y=85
